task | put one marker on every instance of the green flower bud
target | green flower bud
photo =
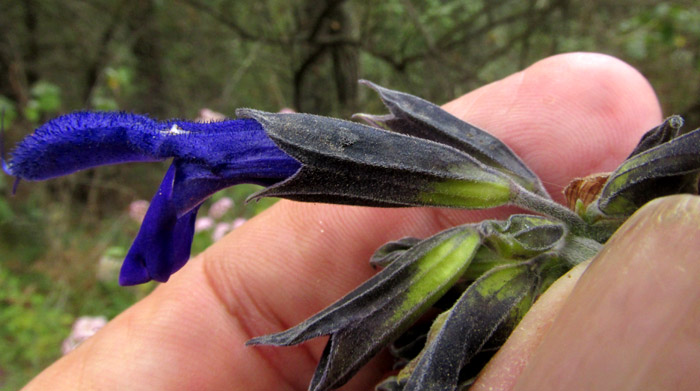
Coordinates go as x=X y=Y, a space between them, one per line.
x=497 y=300
x=367 y=319
x=665 y=169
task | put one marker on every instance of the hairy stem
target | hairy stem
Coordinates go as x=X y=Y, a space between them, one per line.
x=535 y=203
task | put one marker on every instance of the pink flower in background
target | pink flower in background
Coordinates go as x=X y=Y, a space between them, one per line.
x=83 y=328
x=218 y=209
x=207 y=115
x=286 y=110
x=137 y=210
x=238 y=222
x=220 y=231
x=109 y=264
x=203 y=224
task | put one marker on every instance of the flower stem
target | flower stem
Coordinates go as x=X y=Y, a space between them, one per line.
x=536 y=203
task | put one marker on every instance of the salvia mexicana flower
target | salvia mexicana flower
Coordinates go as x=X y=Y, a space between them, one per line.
x=207 y=157
x=471 y=283
x=299 y=156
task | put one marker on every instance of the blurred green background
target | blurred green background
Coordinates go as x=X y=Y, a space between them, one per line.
x=61 y=241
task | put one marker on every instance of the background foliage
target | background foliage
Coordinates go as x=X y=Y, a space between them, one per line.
x=172 y=58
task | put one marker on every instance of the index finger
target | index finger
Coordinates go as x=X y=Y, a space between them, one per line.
x=567 y=116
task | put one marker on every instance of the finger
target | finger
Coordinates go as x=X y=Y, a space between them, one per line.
x=567 y=116
x=632 y=321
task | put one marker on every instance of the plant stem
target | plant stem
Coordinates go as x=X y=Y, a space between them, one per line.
x=536 y=203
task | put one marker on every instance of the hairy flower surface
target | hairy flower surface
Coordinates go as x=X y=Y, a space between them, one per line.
x=206 y=157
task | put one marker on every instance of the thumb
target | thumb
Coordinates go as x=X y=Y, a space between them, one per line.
x=630 y=323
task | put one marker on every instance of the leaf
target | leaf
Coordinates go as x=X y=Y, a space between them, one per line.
x=377 y=312
x=417 y=117
x=349 y=163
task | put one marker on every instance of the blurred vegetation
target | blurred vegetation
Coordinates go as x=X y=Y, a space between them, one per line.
x=173 y=58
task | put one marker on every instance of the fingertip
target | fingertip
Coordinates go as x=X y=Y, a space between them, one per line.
x=612 y=101
x=602 y=104
x=631 y=321
x=568 y=115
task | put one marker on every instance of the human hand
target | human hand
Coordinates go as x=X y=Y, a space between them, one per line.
x=566 y=116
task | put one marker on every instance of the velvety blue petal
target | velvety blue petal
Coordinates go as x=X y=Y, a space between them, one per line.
x=82 y=140
x=183 y=234
x=212 y=156
x=196 y=182
x=163 y=243
x=76 y=141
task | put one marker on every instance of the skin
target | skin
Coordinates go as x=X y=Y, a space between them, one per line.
x=567 y=116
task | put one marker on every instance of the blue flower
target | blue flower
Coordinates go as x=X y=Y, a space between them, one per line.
x=207 y=157
x=402 y=160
